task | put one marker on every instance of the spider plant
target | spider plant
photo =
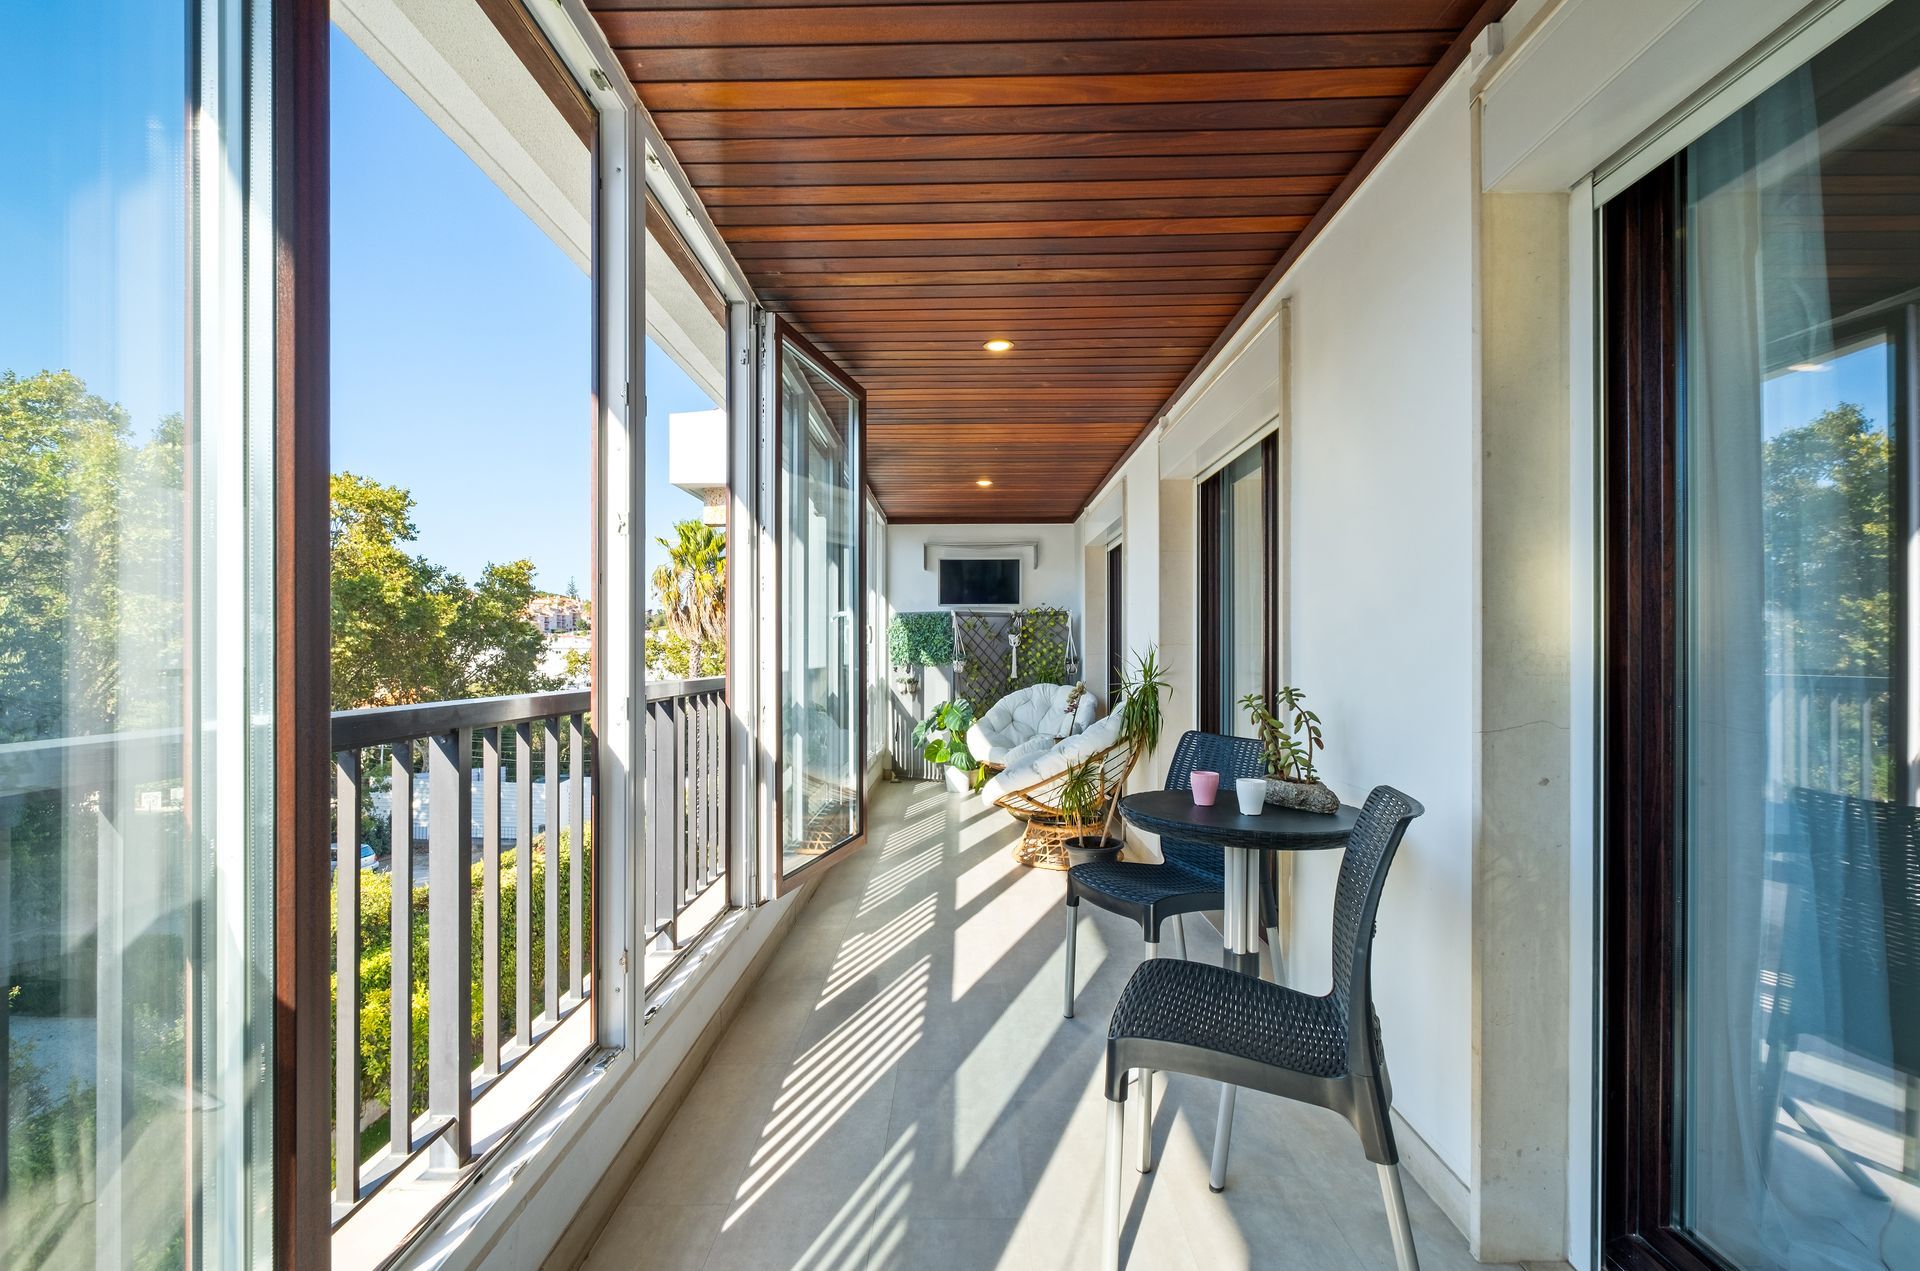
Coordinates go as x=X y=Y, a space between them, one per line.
x=1141 y=718
x=1141 y=688
x=1081 y=794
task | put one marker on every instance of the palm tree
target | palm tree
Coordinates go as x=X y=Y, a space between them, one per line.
x=692 y=587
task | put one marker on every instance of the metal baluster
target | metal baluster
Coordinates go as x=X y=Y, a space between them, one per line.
x=1833 y=742
x=650 y=804
x=400 y=978
x=523 y=885
x=1866 y=740
x=449 y=948
x=722 y=768
x=490 y=902
x=551 y=980
x=577 y=850
x=346 y=966
x=112 y=1053
x=717 y=776
x=677 y=796
x=702 y=795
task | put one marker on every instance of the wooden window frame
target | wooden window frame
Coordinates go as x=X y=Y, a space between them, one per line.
x=1211 y=605
x=302 y=1073
x=1115 y=565
x=1643 y=749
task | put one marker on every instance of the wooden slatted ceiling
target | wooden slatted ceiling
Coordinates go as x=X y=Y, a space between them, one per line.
x=1104 y=184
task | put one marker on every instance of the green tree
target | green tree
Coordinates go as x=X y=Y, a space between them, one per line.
x=91 y=542
x=407 y=630
x=1828 y=508
x=692 y=590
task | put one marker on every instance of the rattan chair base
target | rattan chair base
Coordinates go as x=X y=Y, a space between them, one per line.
x=1044 y=846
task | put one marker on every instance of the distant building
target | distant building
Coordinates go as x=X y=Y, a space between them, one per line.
x=697 y=460
x=557 y=615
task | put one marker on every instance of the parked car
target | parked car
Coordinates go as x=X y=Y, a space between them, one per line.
x=369 y=859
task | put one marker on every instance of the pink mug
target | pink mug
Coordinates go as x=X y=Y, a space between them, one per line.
x=1205 y=786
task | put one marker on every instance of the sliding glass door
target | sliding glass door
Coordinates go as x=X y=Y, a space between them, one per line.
x=1239 y=538
x=819 y=542
x=1764 y=835
x=137 y=641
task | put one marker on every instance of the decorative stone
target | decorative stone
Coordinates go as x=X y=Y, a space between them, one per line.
x=1305 y=796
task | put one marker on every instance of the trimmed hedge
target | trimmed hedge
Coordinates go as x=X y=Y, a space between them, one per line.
x=920 y=639
x=376 y=962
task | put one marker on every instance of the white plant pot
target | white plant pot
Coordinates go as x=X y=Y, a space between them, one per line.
x=957 y=781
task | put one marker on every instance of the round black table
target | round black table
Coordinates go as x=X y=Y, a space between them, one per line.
x=1172 y=814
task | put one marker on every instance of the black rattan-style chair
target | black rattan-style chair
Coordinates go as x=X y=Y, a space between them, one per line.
x=1189 y=879
x=1207 y=1021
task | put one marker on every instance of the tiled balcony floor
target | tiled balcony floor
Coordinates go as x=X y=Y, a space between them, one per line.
x=901 y=1091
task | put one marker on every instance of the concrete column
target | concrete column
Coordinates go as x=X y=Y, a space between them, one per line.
x=1521 y=843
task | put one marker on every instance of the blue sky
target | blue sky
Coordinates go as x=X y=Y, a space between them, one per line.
x=1797 y=397
x=92 y=213
x=462 y=347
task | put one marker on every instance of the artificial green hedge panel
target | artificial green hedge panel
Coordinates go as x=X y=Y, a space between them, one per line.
x=1043 y=646
x=920 y=639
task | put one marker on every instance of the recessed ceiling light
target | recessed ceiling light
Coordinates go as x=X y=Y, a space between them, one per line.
x=997 y=346
x=1809 y=366
x=984 y=482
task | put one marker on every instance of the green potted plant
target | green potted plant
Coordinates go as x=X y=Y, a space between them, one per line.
x=942 y=738
x=1289 y=736
x=1141 y=719
x=1084 y=797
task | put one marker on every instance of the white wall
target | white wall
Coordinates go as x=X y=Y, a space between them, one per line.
x=1383 y=590
x=1056 y=581
x=1376 y=405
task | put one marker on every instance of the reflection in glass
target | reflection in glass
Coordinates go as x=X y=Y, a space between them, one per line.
x=819 y=545
x=1801 y=1035
x=1240 y=644
x=134 y=888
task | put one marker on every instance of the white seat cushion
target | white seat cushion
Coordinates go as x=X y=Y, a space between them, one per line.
x=1037 y=711
x=1039 y=761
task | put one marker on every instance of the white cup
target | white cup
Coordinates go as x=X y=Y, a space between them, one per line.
x=1252 y=792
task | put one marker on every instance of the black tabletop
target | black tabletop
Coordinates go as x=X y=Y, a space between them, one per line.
x=1173 y=814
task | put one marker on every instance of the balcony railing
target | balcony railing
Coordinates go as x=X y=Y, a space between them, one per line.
x=477 y=812
x=496 y=790
x=484 y=802
x=686 y=802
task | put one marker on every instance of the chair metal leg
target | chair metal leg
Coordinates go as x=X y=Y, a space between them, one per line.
x=1144 y=1088
x=1073 y=912
x=1403 y=1254
x=1222 y=1137
x=1180 y=935
x=1116 y=1145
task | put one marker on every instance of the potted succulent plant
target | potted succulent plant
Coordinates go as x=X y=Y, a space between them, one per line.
x=1084 y=796
x=1289 y=736
x=942 y=738
x=1141 y=720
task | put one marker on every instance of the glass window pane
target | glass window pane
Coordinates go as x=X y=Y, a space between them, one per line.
x=689 y=458
x=1801 y=1034
x=1241 y=642
x=463 y=570
x=134 y=880
x=818 y=533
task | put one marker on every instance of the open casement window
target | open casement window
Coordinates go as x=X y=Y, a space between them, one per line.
x=818 y=709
